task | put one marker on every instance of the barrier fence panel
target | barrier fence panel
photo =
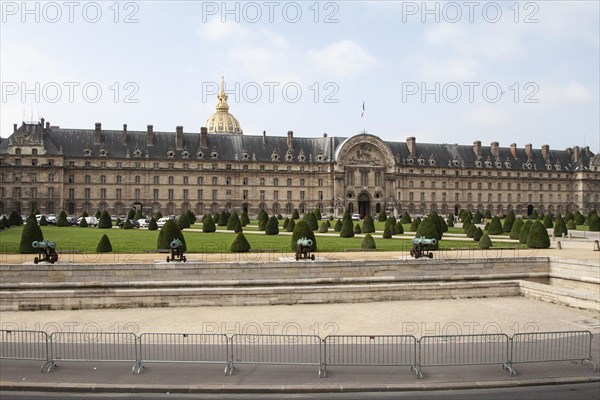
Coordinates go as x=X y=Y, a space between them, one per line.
x=25 y=345
x=457 y=350
x=276 y=350
x=184 y=348
x=365 y=350
x=93 y=346
x=552 y=346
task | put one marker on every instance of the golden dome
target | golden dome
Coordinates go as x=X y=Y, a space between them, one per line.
x=222 y=121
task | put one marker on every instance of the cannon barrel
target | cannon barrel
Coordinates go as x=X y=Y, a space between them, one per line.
x=43 y=244
x=176 y=243
x=304 y=242
x=424 y=240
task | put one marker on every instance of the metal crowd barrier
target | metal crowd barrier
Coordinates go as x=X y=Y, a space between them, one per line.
x=276 y=350
x=364 y=350
x=184 y=348
x=25 y=345
x=93 y=346
x=459 y=350
x=552 y=346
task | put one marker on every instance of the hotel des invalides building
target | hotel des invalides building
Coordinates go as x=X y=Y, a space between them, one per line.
x=52 y=169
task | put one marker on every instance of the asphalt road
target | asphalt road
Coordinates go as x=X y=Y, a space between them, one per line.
x=566 y=392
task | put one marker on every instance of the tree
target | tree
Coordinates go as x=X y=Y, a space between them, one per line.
x=509 y=221
x=579 y=218
x=222 y=221
x=209 y=224
x=291 y=225
x=311 y=220
x=538 y=236
x=541 y=216
x=347 y=226
x=138 y=214
x=104 y=222
x=323 y=228
x=414 y=225
x=477 y=217
x=43 y=221
x=98 y=214
x=382 y=216
x=368 y=225
x=427 y=229
x=548 y=221
x=495 y=227
x=169 y=232
x=272 y=226
x=471 y=230
x=191 y=216
x=387 y=234
x=338 y=226
x=286 y=221
x=183 y=222
x=104 y=245
x=130 y=214
x=83 y=223
x=357 y=229
x=399 y=228
x=244 y=219
x=368 y=243
x=295 y=214
x=485 y=242
x=571 y=225
x=468 y=219
x=569 y=216
x=263 y=218
x=525 y=231
x=240 y=244
x=158 y=215
x=534 y=215
x=594 y=223
x=233 y=220
x=516 y=228
x=127 y=224
x=488 y=214
x=317 y=213
x=390 y=224
x=560 y=227
x=15 y=219
x=302 y=230
x=405 y=219
x=31 y=232
x=152 y=225
x=238 y=227
x=450 y=222
x=478 y=234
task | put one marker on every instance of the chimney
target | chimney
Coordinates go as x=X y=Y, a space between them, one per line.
x=42 y=122
x=546 y=152
x=179 y=137
x=513 y=150
x=412 y=145
x=477 y=148
x=264 y=137
x=325 y=134
x=14 y=127
x=203 y=137
x=495 y=149
x=124 y=133
x=150 y=135
x=575 y=156
x=47 y=126
x=97 y=133
x=528 y=150
x=290 y=136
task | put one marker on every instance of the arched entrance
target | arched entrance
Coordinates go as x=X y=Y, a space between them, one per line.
x=529 y=210
x=364 y=204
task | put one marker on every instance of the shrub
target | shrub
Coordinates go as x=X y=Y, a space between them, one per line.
x=471 y=231
x=478 y=234
x=104 y=245
x=548 y=221
x=399 y=228
x=215 y=217
x=468 y=219
x=569 y=216
x=516 y=228
x=594 y=223
x=158 y=215
x=368 y=224
x=240 y=244
x=222 y=220
x=127 y=225
x=104 y=222
x=509 y=221
x=571 y=225
x=191 y=217
x=477 y=217
x=450 y=223
x=303 y=230
x=31 y=232
x=579 y=218
x=98 y=214
x=232 y=221
x=534 y=215
x=152 y=225
x=347 y=226
x=130 y=214
x=238 y=227
x=438 y=223
x=414 y=225
x=368 y=243
x=279 y=216
x=488 y=214
x=405 y=219
x=328 y=223
x=525 y=231
x=169 y=232
x=272 y=226
x=387 y=234
x=43 y=221
x=83 y=223
x=311 y=220
x=427 y=229
x=295 y=214
x=286 y=221
x=391 y=225
x=291 y=226
x=357 y=229
x=560 y=227
x=244 y=219
x=541 y=216
x=382 y=216
x=263 y=218
x=495 y=227
x=338 y=226
x=138 y=214
x=15 y=219
x=486 y=227
x=485 y=242
x=183 y=222
x=317 y=213
x=324 y=228
x=451 y=218
x=209 y=224
x=538 y=236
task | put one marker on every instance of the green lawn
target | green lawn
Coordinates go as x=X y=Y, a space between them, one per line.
x=138 y=240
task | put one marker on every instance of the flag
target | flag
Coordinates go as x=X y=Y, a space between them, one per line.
x=363 y=110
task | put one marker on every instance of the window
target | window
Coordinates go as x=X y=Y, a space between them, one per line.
x=228 y=180
x=34 y=162
x=214 y=181
x=102 y=178
x=245 y=195
x=103 y=194
x=245 y=181
x=364 y=178
x=350 y=178
x=320 y=182
x=185 y=194
x=155 y=194
x=228 y=167
x=171 y=180
x=289 y=195
x=200 y=180
x=276 y=195
x=155 y=180
x=262 y=182
x=50 y=177
x=138 y=179
x=289 y=182
x=320 y=195
x=87 y=179
x=86 y=193
x=215 y=167
x=200 y=194
x=171 y=194
x=33 y=177
x=422 y=184
x=118 y=194
x=186 y=180
x=262 y=195
x=377 y=178
x=275 y=181
x=214 y=194
x=302 y=182
x=302 y=195
x=71 y=193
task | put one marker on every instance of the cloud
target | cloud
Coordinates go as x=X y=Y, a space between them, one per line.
x=344 y=58
x=571 y=93
x=216 y=30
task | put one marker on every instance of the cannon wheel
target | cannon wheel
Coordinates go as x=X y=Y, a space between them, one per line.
x=312 y=257
x=430 y=255
x=36 y=260
x=184 y=259
x=168 y=259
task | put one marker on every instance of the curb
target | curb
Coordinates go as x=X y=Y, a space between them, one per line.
x=357 y=388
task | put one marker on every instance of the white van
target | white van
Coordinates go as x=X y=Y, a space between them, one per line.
x=162 y=221
x=91 y=221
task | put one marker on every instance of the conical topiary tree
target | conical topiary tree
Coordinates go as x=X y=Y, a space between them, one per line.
x=525 y=231
x=579 y=218
x=104 y=245
x=368 y=225
x=130 y=213
x=104 y=222
x=560 y=227
x=382 y=216
x=209 y=224
x=272 y=226
x=240 y=244
x=191 y=216
x=516 y=228
x=222 y=221
x=290 y=226
x=244 y=219
x=594 y=223
x=569 y=216
x=571 y=225
x=317 y=213
x=509 y=221
x=477 y=217
x=471 y=230
x=485 y=242
x=295 y=214
x=534 y=215
x=357 y=229
x=169 y=232
x=387 y=234
x=31 y=232
x=311 y=220
x=538 y=236
x=324 y=228
x=338 y=226
x=495 y=227
x=263 y=218
x=279 y=216
x=347 y=227
x=127 y=224
x=399 y=228
x=414 y=225
x=158 y=215
x=83 y=223
x=390 y=225
x=427 y=229
x=302 y=230
x=548 y=221
x=368 y=243
x=478 y=234
x=152 y=225
x=183 y=222
x=238 y=227
x=405 y=219
x=233 y=220
x=98 y=214
x=15 y=219
x=43 y=221
x=487 y=214
x=286 y=221
x=541 y=216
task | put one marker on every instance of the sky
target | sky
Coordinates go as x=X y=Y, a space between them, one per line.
x=445 y=72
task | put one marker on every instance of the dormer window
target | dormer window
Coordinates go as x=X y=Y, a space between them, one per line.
x=185 y=154
x=200 y=155
x=410 y=161
x=170 y=152
x=528 y=165
x=455 y=163
x=137 y=153
x=549 y=166
x=421 y=160
x=103 y=152
x=213 y=154
x=275 y=155
x=301 y=156
x=289 y=156
x=498 y=164
x=432 y=161
x=478 y=163
x=245 y=155
x=87 y=152
x=557 y=166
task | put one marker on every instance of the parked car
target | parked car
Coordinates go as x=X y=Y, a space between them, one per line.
x=52 y=219
x=91 y=221
x=72 y=221
x=355 y=217
x=134 y=223
x=162 y=221
x=143 y=222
